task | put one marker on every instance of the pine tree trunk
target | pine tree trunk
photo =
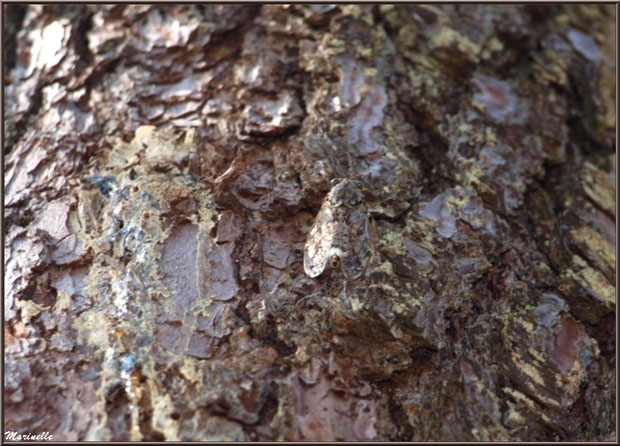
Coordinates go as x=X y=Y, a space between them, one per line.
x=164 y=166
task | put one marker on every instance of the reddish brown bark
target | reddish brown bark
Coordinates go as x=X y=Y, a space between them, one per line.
x=164 y=165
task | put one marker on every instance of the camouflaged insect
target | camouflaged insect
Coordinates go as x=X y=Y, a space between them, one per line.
x=340 y=232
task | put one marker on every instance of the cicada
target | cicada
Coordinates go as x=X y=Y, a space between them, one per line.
x=340 y=232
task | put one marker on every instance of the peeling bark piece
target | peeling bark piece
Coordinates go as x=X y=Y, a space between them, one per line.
x=439 y=211
x=598 y=187
x=217 y=279
x=551 y=366
x=209 y=427
x=321 y=414
x=266 y=116
x=366 y=116
x=351 y=82
x=499 y=100
x=588 y=292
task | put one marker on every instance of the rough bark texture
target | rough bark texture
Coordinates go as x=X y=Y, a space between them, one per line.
x=163 y=167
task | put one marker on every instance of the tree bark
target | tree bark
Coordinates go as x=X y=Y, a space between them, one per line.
x=164 y=166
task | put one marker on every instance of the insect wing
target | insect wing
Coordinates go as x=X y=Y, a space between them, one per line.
x=319 y=242
x=357 y=255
